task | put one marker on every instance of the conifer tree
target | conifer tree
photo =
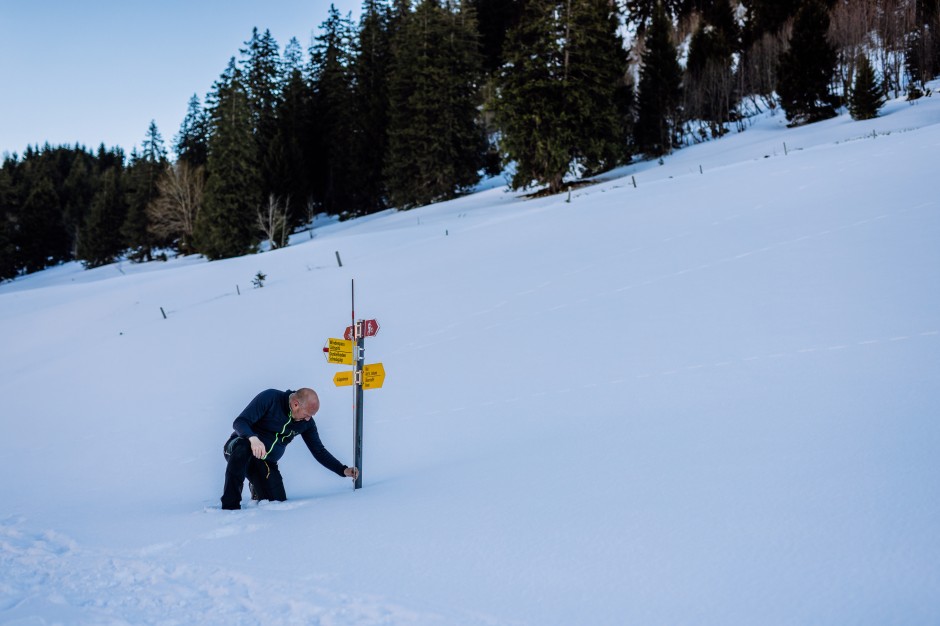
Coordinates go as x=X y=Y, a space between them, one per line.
x=262 y=77
x=436 y=142
x=807 y=68
x=331 y=57
x=36 y=218
x=143 y=176
x=566 y=105
x=495 y=18
x=8 y=251
x=597 y=92
x=101 y=242
x=40 y=236
x=371 y=102
x=769 y=16
x=399 y=13
x=867 y=95
x=289 y=154
x=78 y=190
x=192 y=141
x=536 y=125
x=642 y=12
x=225 y=225
x=659 y=89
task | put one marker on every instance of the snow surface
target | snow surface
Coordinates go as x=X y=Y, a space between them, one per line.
x=707 y=399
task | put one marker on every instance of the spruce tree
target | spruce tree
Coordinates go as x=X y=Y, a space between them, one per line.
x=289 y=155
x=659 y=89
x=536 y=125
x=597 y=78
x=261 y=71
x=769 y=16
x=867 y=95
x=101 y=242
x=78 y=190
x=192 y=141
x=40 y=233
x=807 y=68
x=495 y=18
x=331 y=57
x=436 y=142
x=568 y=103
x=226 y=224
x=8 y=252
x=371 y=102
x=642 y=12
x=143 y=176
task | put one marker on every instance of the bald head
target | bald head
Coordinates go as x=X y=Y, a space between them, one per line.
x=304 y=404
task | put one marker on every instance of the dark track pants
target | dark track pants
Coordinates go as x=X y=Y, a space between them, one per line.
x=264 y=477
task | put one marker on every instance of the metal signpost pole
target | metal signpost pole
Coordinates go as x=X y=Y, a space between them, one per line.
x=359 y=359
x=357 y=377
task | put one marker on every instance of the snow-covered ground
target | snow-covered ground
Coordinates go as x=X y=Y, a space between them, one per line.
x=711 y=398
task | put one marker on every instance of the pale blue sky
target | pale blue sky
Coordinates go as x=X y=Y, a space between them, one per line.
x=99 y=71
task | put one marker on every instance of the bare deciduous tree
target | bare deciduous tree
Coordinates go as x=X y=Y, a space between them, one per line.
x=894 y=20
x=311 y=211
x=272 y=219
x=757 y=69
x=173 y=214
x=851 y=25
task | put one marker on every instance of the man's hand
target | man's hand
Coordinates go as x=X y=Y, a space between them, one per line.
x=257 y=448
x=352 y=472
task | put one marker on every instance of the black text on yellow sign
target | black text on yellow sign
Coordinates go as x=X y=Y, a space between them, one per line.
x=343 y=379
x=338 y=351
x=373 y=377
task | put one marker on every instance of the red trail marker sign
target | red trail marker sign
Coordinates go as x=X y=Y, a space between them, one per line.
x=370 y=328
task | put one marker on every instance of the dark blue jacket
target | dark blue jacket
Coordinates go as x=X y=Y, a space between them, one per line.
x=268 y=417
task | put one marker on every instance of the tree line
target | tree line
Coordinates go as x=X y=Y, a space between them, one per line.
x=419 y=99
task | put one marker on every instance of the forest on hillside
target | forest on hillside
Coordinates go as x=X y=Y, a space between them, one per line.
x=419 y=100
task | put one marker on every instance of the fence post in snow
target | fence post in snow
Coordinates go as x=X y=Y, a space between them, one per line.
x=633 y=178
x=164 y=312
x=339 y=260
x=784 y=148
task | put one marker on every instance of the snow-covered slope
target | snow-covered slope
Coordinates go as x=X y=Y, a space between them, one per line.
x=710 y=398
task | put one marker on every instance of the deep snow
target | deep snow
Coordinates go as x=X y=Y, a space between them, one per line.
x=709 y=399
